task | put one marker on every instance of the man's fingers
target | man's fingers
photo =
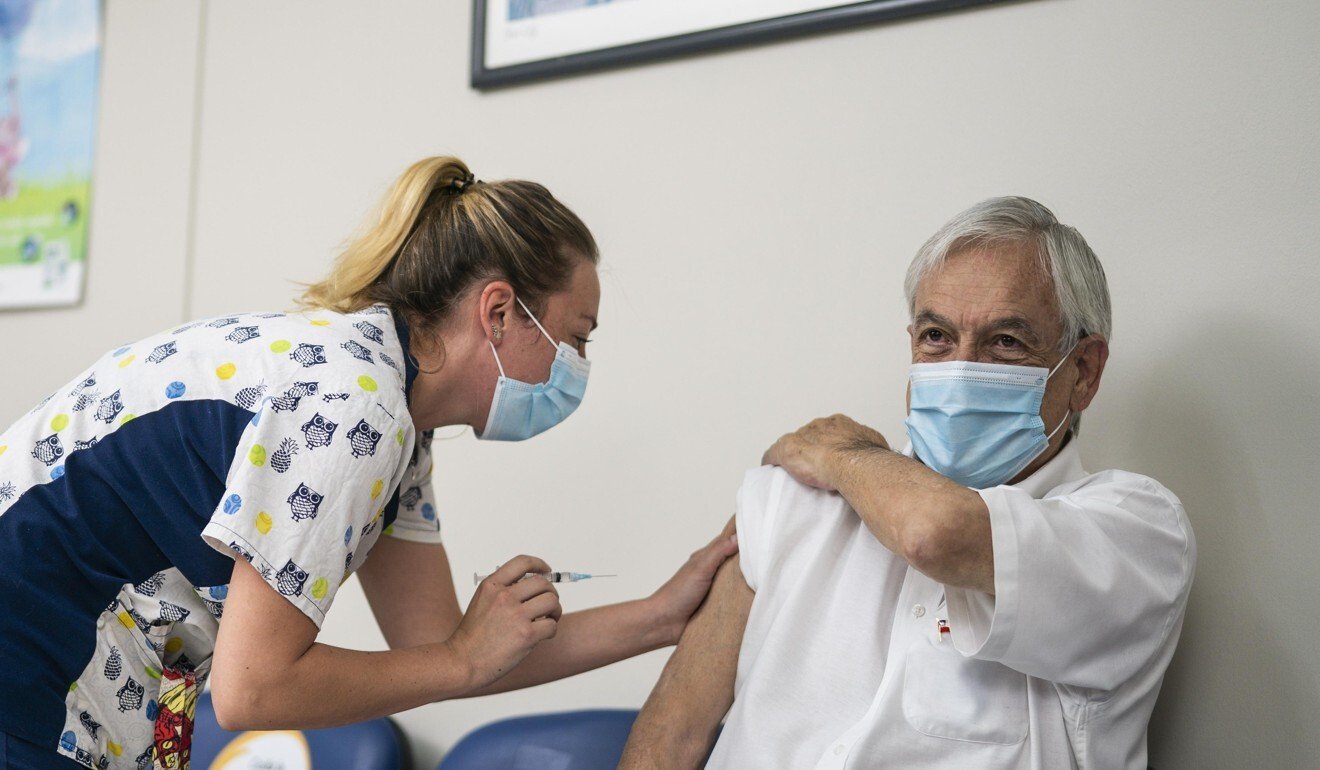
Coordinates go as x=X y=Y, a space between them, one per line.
x=772 y=455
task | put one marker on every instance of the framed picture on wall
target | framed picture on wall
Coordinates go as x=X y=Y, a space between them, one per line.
x=515 y=41
x=50 y=54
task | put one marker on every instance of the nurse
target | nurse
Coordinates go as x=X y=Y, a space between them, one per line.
x=188 y=506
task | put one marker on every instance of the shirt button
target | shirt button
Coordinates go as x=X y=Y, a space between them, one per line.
x=918 y=610
x=839 y=749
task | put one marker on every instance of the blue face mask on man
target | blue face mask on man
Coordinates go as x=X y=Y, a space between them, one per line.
x=978 y=424
x=520 y=410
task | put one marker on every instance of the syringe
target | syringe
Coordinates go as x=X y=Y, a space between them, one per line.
x=553 y=577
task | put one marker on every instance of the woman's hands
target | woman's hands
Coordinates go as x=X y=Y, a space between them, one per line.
x=677 y=599
x=508 y=616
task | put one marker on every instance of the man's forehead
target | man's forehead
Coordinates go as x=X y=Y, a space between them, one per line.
x=975 y=287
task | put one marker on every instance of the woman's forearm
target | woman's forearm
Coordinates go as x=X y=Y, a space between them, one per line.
x=331 y=686
x=587 y=640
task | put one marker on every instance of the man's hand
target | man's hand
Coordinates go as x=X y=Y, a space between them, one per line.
x=811 y=453
x=679 y=597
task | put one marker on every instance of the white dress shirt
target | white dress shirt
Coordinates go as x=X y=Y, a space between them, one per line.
x=853 y=659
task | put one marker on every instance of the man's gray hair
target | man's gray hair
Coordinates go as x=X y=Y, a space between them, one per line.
x=1079 y=281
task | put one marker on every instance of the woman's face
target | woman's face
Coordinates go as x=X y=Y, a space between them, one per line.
x=568 y=316
x=459 y=373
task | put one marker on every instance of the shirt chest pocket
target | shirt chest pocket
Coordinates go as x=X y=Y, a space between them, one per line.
x=946 y=695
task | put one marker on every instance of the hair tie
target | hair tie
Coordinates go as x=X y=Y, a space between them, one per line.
x=459 y=185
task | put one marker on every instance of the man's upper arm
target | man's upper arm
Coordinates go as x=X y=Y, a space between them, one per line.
x=676 y=727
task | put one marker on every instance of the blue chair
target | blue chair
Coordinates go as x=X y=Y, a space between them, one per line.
x=374 y=745
x=573 y=740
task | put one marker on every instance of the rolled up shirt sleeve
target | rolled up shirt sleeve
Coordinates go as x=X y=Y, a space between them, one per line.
x=754 y=514
x=1088 y=584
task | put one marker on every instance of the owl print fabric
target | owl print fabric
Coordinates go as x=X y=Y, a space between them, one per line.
x=280 y=439
x=305 y=497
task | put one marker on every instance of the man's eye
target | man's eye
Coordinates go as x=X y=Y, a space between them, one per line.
x=933 y=335
x=1006 y=341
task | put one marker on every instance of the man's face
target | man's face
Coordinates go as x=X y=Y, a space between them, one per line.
x=987 y=306
x=996 y=306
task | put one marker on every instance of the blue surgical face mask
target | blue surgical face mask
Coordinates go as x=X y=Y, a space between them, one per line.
x=978 y=424
x=520 y=410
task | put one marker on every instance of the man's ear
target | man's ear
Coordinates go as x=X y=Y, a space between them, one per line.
x=1091 y=355
x=495 y=310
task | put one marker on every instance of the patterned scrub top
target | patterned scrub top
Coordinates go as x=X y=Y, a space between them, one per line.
x=125 y=496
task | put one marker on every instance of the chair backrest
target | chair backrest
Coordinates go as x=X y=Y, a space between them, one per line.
x=374 y=745
x=573 y=740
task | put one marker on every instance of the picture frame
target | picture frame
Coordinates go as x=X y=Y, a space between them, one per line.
x=519 y=41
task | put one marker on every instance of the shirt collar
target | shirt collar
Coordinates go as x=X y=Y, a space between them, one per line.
x=409 y=363
x=1062 y=468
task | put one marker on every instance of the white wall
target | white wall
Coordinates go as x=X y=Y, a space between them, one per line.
x=756 y=209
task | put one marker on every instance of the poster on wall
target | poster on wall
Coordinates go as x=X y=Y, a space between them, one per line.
x=49 y=65
x=519 y=40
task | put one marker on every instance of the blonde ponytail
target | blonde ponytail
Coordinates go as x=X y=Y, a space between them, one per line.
x=438 y=231
x=365 y=260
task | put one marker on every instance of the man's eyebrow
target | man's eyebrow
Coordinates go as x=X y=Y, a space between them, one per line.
x=592 y=319
x=931 y=317
x=1015 y=323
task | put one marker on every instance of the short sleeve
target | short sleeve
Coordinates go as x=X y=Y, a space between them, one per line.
x=754 y=514
x=417 y=519
x=1088 y=585
x=310 y=478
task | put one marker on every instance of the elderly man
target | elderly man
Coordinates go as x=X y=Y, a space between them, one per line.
x=977 y=600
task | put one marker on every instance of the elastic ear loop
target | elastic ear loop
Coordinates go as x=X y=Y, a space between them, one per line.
x=497 y=357
x=1067 y=415
x=538 y=323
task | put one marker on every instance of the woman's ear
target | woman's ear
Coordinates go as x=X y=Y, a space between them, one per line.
x=495 y=309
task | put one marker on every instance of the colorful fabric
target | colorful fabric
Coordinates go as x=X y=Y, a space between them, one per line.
x=126 y=495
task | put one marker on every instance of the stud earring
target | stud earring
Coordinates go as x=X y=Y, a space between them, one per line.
x=497 y=332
